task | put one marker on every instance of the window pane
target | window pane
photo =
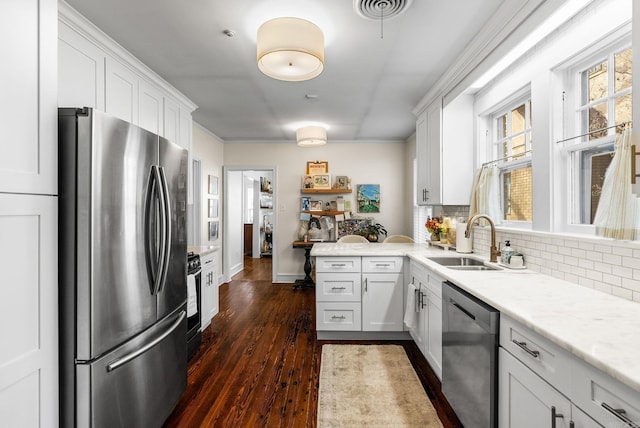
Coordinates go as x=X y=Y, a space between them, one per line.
x=596 y=82
x=519 y=146
x=623 y=70
x=623 y=109
x=598 y=120
x=593 y=164
x=517 y=194
x=502 y=126
x=518 y=122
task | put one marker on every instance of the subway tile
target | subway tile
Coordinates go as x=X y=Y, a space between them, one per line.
x=631 y=262
x=588 y=246
x=571 y=244
x=612 y=279
x=622 y=251
x=586 y=282
x=571 y=261
x=587 y=264
x=606 y=288
x=612 y=259
x=622 y=292
x=571 y=278
x=631 y=284
x=622 y=272
x=594 y=255
x=581 y=254
x=602 y=267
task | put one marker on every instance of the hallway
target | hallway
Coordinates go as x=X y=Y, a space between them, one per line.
x=259 y=362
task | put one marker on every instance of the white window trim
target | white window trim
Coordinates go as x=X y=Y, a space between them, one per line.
x=488 y=118
x=568 y=73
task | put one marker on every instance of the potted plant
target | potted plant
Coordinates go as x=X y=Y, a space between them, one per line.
x=373 y=231
x=434 y=226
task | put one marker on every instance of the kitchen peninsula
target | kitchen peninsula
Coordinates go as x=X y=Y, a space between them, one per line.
x=591 y=336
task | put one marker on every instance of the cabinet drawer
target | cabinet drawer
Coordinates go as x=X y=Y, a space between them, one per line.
x=418 y=273
x=338 y=264
x=344 y=287
x=605 y=399
x=338 y=316
x=545 y=358
x=382 y=264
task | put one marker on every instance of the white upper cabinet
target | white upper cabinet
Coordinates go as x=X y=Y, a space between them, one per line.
x=150 y=108
x=444 y=153
x=171 y=120
x=121 y=91
x=28 y=147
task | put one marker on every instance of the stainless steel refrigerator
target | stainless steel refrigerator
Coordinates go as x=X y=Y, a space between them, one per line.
x=122 y=276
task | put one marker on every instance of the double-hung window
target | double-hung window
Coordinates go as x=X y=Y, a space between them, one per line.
x=511 y=148
x=598 y=98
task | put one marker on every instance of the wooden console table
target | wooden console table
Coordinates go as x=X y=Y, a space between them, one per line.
x=307 y=281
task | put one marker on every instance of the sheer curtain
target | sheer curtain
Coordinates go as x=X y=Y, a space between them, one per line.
x=617 y=213
x=485 y=194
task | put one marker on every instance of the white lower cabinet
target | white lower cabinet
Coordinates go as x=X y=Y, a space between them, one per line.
x=538 y=379
x=359 y=294
x=382 y=301
x=28 y=311
x=428 y=302
x=209 y=286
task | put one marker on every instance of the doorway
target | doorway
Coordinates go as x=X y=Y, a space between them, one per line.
x=249 y=197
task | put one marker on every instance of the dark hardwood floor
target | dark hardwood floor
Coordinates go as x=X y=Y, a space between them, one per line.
x=259 y=361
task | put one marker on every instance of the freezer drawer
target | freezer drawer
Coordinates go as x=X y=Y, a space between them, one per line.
x=114 y=392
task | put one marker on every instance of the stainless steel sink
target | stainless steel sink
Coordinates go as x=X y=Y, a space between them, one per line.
x=457 y=261
x=474 y=267
x=463 y=263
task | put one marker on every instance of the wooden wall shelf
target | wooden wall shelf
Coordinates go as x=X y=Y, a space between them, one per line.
x=326 y=191
x=327 y=213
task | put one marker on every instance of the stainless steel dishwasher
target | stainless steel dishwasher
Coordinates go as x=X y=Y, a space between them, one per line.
x=470 y=330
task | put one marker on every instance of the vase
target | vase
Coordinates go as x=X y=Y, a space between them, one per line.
x=435 y=237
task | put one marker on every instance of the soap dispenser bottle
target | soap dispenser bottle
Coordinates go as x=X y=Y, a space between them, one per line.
x=506 y=253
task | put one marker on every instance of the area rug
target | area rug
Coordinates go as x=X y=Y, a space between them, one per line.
x=371 y=386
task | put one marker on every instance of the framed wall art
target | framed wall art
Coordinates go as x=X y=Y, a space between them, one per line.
x=307 y=182
x=317 y=167
x=315 y=206
x=213 y=230
x=213 y=208
x=305 y=204
x=368 y=198
x=321 y=181
x=342 y=182
x=213 y=185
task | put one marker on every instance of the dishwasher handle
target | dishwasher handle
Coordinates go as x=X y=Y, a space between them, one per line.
x=463 y=310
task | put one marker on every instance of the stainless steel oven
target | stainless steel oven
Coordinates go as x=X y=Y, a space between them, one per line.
x=470 y=341
x=194 y=303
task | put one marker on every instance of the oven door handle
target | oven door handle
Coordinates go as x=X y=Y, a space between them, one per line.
x=195 y=273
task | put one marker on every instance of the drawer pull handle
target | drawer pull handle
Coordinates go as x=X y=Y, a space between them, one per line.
x=620 y=414
x=383 y=264
x=338 y=264
x=335 y=317
x=338 y=288
x=555 y=416
x=523 y=346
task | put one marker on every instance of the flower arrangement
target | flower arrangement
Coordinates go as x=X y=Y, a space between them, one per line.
x=434 y=225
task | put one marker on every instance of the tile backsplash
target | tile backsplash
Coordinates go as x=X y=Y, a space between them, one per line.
x=603 y=264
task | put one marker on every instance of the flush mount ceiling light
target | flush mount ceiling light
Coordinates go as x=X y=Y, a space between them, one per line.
x=311 y=136
x=290 y=49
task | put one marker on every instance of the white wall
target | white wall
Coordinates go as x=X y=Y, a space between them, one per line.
x=234 y=241
x=210 y=151
x=365 y=163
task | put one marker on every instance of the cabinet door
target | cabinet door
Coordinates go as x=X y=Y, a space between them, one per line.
x=210 y=299
x=28 y=311
x=81 y=66
x=433 y=345
x=150 y=108
x=121 y=95
x=382 y=302
x=171 y=120
x=422 y=160
x=434 y=153
x=28 y=84
x=526 y=400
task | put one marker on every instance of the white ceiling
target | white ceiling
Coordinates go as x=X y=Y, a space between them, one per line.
x=367 y=90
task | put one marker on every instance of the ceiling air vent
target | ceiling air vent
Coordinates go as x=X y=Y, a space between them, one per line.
x=380 y=9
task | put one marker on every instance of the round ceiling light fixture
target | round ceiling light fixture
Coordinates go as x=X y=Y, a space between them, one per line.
x=290 y=49
x=311 y=136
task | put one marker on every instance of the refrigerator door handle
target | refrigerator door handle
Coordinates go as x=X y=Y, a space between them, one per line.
x=124 y=360
x=162 y=217
x=166 y=227
x=151 y=237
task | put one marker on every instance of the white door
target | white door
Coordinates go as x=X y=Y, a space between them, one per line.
x=382 y=302
x=526 y=400
x=28 y=311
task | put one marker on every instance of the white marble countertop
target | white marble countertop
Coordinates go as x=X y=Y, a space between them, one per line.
x=599 y=328
x=202 y=250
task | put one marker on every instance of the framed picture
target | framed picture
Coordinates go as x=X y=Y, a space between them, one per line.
x=342 y=182
x=305 y=204
x=213 y=185
x=368 y=198
x=213 y=230
x=321 y=181
x=307 y=182
x=317 y=167
x=213 y=208
x=315 y=206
